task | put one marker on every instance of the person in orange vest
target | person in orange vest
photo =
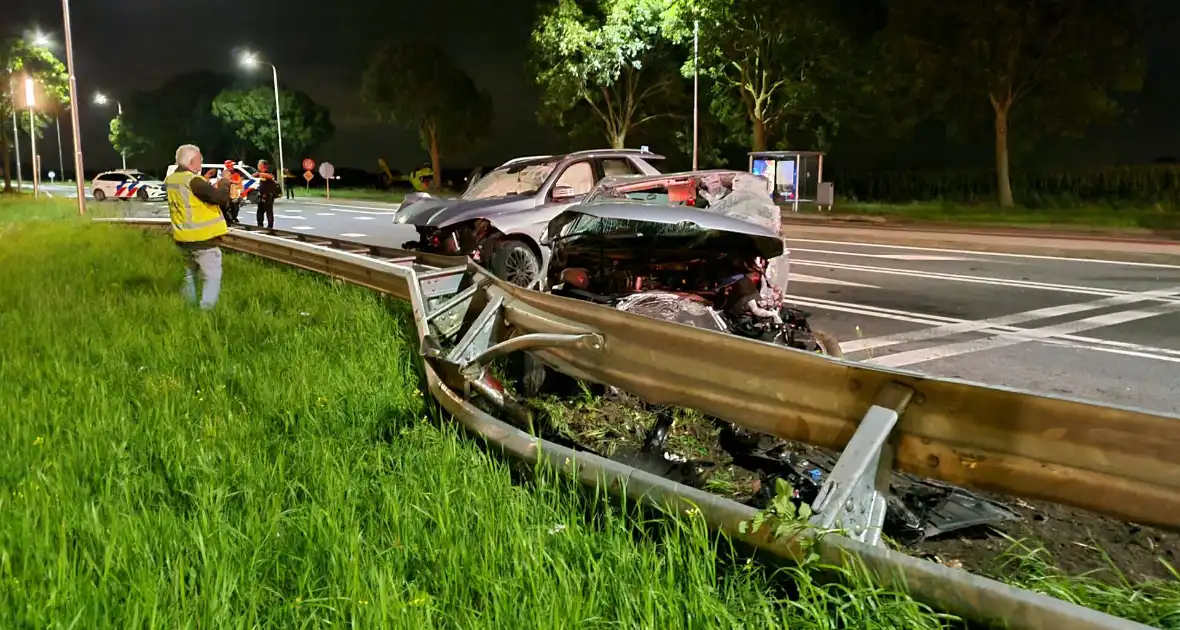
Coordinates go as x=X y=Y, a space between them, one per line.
x=231 y=183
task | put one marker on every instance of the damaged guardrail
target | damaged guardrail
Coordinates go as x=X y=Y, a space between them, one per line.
x=1120 y=462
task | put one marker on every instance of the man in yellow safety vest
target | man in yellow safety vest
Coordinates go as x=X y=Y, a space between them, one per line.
x=197 y=224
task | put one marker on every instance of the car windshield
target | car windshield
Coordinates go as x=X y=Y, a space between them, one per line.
x=515 y=179
x=137 y=175
x=585 y=224
x=250 y=170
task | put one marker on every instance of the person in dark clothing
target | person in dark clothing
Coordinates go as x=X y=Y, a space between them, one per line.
x=288 y=183
x=268 y=189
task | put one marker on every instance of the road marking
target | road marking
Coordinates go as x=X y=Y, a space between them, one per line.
x=303 y=227
x=906 y=257
x=288 y=216
x=363 y=218
x=1066 y=340
x=933 y=275
x=1099 y=261
x=325 y=214
x=353 y=234
x=1005 y=320
x=355 y=209
x=798 y=277
x=1033 y=334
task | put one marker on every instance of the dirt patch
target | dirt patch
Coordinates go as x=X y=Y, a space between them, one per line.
x=621 y=427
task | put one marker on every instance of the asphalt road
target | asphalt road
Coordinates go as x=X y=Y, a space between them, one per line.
x=1092 y=329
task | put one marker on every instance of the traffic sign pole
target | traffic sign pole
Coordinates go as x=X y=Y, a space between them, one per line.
x=326 y=171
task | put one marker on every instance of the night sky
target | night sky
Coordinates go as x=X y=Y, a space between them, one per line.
x=322 y=47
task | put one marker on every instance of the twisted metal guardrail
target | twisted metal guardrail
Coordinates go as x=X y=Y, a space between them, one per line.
x=1124 y=463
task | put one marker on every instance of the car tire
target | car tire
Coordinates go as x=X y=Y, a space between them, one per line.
x=828 y=345
x=142 y=195
x=515 y=262
x=99 y=195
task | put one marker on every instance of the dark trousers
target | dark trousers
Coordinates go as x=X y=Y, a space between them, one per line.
x=289 y=189
x=266 y=209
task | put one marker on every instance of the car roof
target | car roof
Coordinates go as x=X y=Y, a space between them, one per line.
x=589 y=153
x=637 y=179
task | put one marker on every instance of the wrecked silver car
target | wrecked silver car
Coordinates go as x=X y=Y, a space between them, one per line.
x=499 y=219
x=700 y=248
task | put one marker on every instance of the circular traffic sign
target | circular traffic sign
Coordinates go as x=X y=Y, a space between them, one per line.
x=327 y=170
x=308 y=164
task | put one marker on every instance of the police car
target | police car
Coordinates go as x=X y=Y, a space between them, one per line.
x=126 y=184
x=250 y=179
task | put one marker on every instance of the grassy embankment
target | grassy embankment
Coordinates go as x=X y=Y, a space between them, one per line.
x=358 y=194
x=1091 y=216
x=269 y=465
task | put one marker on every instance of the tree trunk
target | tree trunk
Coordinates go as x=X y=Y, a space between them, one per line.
x=617 y=140
x=1003 y=177
x=8 y=164
x=435 y=162
x=759 y=142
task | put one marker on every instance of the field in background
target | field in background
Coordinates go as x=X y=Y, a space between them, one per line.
x=1099 y=216
x=364 y=194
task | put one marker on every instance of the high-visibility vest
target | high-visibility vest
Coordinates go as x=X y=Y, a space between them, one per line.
x=235 y=186
x=193 y=220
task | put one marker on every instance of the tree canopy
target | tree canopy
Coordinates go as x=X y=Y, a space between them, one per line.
x=1056 y=62
x=250 y=113
x=180 y=111
x=20 y=59
x=613 y=63
x=418 y=86
x=772 y=64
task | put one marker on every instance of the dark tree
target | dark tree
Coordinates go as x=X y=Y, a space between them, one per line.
x=1052 y=64
x=250 y=113
x=417 y=85
x=178 y=112
x=19 y=59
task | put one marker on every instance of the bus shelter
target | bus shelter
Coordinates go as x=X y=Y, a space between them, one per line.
x=794 y=177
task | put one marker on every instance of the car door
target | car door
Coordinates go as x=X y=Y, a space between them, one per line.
x=109 y=184
x=569 y=187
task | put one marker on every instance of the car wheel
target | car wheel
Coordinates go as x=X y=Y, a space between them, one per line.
x=142 y=195
x=99 y=195
x=827 y=344
x=516 y=263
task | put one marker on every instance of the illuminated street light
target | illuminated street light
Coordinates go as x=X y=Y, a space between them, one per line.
x=101 y=99
x=250 y=61
x=41 y=39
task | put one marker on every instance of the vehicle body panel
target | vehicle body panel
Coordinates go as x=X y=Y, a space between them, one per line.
x=127 y=184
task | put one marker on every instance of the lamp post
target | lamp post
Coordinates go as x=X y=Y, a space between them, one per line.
x=696 y=73
x=65 y=14
x=30 y=100
x=61 y=161
x=250 y=60
x=101 y=99
x=16 y=139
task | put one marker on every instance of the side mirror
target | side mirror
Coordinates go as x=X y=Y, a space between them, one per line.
x=563 y=193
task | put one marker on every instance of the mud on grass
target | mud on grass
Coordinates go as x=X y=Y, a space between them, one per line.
x=1120 y=568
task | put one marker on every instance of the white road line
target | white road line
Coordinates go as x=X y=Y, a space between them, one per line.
x=325 y=214
x=1005 y=320
x=353 y=234
x=1069 y=341
x=906 y=257
x=363 y=218
x=991 y=343
x=356 y=209
x=1024 y=284
x=303 y=227
x=1099 y=261
x=798 y=277
x=288 y=216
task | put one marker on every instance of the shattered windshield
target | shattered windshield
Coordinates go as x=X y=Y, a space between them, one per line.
x=523 y=179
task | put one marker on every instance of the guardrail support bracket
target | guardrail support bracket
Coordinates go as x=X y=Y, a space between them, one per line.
x=853 y=498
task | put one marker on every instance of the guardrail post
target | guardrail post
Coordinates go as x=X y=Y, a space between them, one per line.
x=853 y=497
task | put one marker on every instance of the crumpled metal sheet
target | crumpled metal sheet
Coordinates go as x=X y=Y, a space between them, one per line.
x=678 y=308
x=745 y=197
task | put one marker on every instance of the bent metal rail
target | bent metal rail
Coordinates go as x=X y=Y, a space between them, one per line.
x=1120 y=462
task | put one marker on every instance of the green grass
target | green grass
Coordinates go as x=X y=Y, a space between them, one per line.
x=1086 y=216
x=269 y=464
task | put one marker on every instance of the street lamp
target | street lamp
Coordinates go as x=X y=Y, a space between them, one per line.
x=81 y=189
x=20 y=178
x=41 y=39
x=30 y=101
x=101 y=99
x=250 y=61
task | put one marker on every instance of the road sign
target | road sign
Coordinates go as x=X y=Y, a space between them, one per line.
x=327 y=170
x=52 y=175
x=307 y=176
x=308 y=164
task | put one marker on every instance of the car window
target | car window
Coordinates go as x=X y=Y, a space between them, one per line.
x=618 y=166
x=112 y=177
x=578 y=177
